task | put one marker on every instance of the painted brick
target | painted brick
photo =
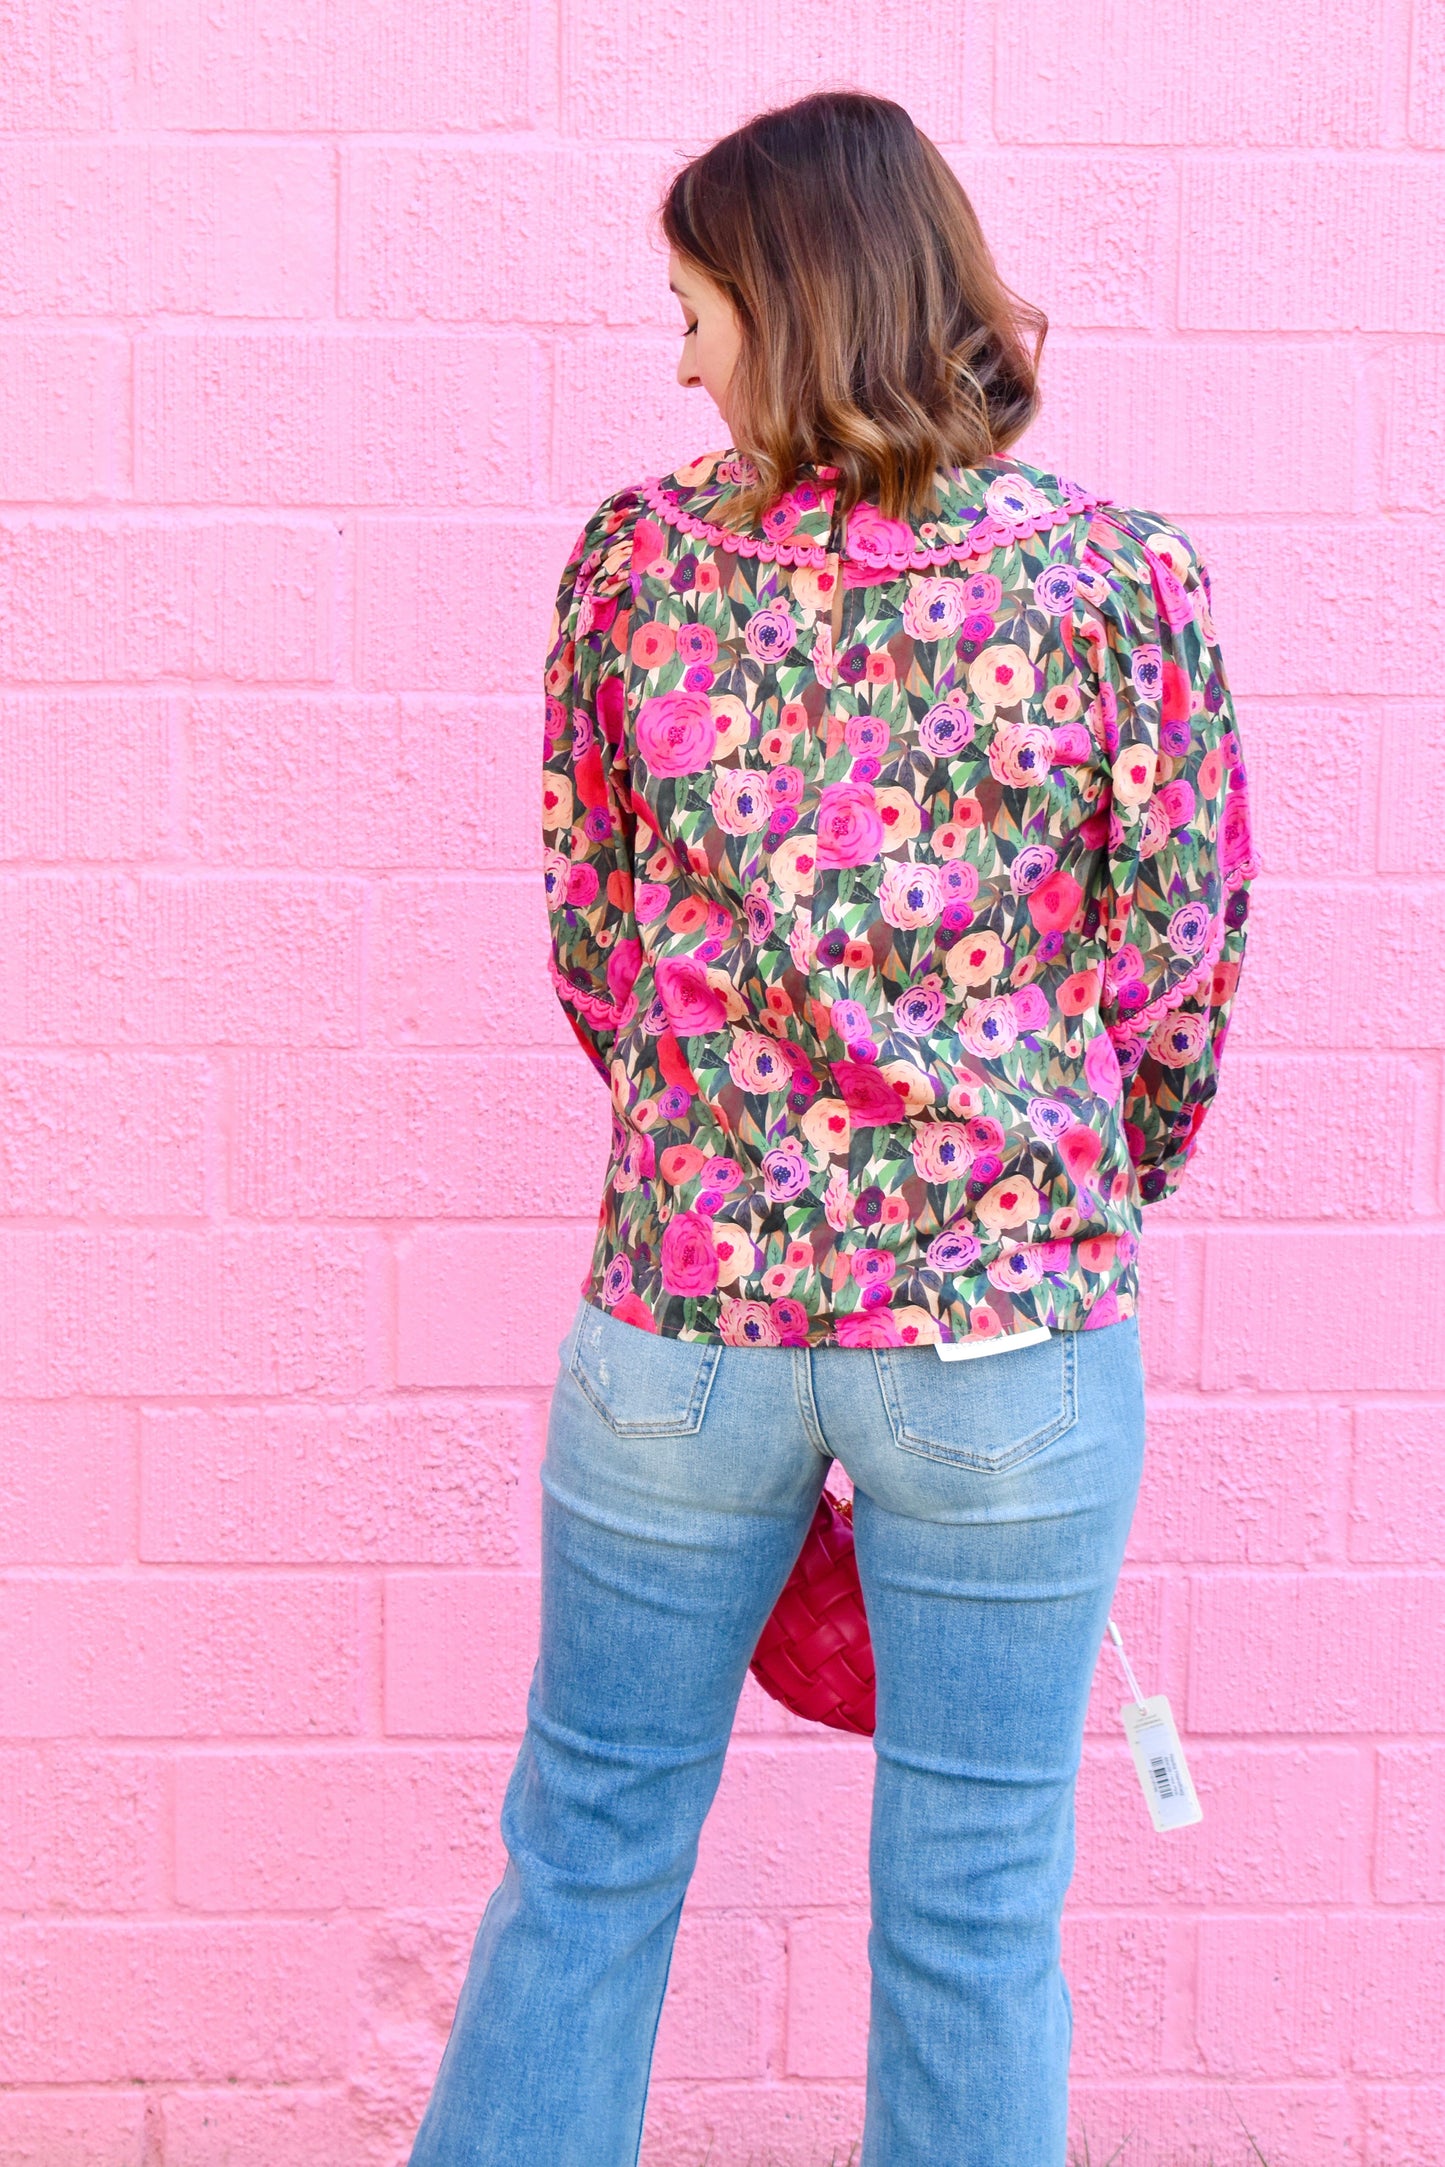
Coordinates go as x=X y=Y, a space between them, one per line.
x=63 y=424
x=1347 y=1652
x=540 y=234
x=1301 y=989
x=1412 y=794
x=265 y=2123
x=289 y=417
x=1285 y=1141
x=460 y=1648
x=725 y=1982
x=409 y=1481
x=55 y=2128
x=1112 y=416
x=116 y=228
x=85 y=775
x=1322 y=1311
x=1397 y=1514
x=118 y=1136
x=172 y=1657
x=1285 y=609
x=1402 y=2124
x=58 y=56
x=1118 y=1973
x=1283 y=1826
x=317 y=1831
x=790 y=1825
x=487 y=1306
x=1410 y=1854
x=796 y=2124
x=828 y=1994
x=317 y=64
x=462 y=962
x=1310 y=770
x=1322 y=1995
x=1294 y=2125
x=1427 y=73
x=66 y=1483
x=175 y=2002
x=1244 y=80
x=419 y=627
x=307 y=779
x=1171 y=1270
x=82 y=1832
x=616 y=53
x=619 y=415
x=324 y=329
x=1116 y=212
x=119 y=600
x=1408 y=387
x=104 y=957
x=1264 y=245
x=1227 y=1483
x=425 y=1135
x=176 y=1312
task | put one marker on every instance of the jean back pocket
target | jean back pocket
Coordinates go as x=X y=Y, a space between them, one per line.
x=989 y=1414
x=641 y=1384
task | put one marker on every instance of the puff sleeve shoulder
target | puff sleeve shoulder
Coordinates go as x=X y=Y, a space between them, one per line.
x=1180 y=858
x=587 y=817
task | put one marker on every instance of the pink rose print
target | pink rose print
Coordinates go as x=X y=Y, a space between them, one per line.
x=869 y=1097
x=676 y=734
x=689 y=1261
x=770 y=633
x=1033 y=913
x=623 y=965
x=868 y=1328
x=692 y=1005
x=647 y=545
x=911 y=896
x=942 y=1152
x=932 y=608
x=1054 y=902
x=1101 y=1067
x=850 y=831
x=876 y=541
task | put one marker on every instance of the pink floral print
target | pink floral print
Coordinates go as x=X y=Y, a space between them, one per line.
x=908 y=959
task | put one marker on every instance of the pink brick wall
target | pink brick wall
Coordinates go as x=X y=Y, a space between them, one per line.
x=308 y=311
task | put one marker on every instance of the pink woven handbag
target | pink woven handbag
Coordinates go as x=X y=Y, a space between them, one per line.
x=814 y=1654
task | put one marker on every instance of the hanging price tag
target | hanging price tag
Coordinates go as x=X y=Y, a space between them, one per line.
x=1158 y=1756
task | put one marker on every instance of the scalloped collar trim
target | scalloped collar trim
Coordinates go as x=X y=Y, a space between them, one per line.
x=1014 y=507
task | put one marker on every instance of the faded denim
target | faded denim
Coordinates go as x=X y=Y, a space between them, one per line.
x=992 y=1503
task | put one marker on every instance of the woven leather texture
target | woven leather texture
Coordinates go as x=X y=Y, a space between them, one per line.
x=814 y=1654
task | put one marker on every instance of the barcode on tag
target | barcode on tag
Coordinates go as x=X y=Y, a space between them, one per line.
x=1159 y=1759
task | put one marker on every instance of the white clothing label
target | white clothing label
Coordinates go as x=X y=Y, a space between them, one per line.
x=969 y=1350
x=1159 y=1759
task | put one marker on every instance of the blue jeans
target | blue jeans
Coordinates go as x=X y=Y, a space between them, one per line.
x=992 y=1503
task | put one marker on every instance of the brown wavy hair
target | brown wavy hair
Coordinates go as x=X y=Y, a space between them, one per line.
x=877 y=334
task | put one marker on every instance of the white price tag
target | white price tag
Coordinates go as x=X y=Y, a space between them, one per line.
x=1158 y=1756
x=1159 y=1759
x=969 y=1350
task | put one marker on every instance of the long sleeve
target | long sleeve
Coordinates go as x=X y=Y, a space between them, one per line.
x=587 y=815
x=1179 y=852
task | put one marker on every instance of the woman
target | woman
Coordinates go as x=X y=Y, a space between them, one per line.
x=897 y=858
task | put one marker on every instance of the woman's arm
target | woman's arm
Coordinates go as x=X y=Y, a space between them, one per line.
x=587 y=806
x=1180 y=856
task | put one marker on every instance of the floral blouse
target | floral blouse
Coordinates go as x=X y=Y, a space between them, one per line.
x=908 y=960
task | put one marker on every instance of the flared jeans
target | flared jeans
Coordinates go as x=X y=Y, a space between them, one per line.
x=992 y=1500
